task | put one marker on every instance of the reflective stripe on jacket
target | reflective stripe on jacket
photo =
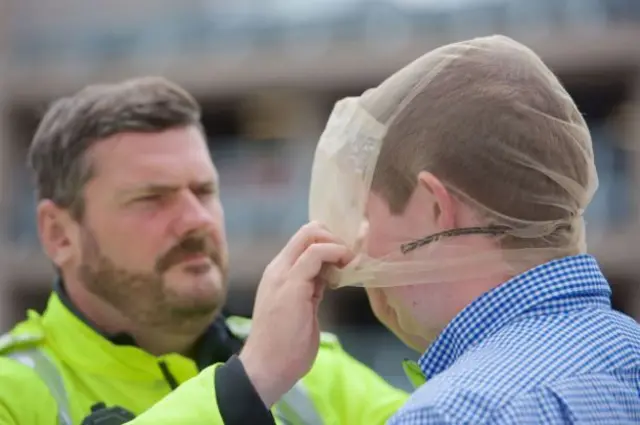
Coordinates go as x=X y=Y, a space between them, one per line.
x=55 y=367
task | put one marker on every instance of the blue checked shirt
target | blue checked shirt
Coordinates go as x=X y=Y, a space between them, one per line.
x=543 y=348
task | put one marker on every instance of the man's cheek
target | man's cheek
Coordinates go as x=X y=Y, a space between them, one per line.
x=377 y=245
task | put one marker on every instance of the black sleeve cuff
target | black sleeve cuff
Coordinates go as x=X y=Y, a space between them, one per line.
x=238 y=401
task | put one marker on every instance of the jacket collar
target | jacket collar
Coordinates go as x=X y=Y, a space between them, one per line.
x=80 y=343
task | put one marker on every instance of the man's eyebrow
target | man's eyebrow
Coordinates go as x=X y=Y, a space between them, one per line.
x=147 y=189
x=212 y=183
x=158 y=188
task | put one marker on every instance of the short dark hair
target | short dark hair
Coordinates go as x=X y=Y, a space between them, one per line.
x=72 y=125
x=465 y=125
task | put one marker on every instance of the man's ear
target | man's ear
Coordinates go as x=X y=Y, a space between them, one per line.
x=444 y=206
x=56 y=229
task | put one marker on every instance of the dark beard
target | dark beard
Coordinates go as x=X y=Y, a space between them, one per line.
x=143 y=297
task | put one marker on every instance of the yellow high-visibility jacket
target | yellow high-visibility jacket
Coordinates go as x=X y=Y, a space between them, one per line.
x=56 y=368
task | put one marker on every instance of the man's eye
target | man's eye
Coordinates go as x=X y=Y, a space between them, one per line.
x=204 y=192
x=149 y=198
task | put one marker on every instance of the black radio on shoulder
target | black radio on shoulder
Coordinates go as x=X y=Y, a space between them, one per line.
x=103 y=415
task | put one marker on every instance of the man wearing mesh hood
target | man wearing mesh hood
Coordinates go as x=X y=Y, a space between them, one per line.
x=459 y=184
x=454 y=194
x=476 y=244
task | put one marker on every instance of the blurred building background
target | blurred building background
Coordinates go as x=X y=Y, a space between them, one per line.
x=267 y=73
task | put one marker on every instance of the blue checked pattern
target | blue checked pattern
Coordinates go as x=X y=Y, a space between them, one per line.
x=544 y=348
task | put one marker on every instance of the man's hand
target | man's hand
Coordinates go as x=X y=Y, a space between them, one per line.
x=285 y=334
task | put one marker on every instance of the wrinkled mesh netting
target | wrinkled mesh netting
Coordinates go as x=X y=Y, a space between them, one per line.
x=501 y=121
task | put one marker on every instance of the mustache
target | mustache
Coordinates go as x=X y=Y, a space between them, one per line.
x=188 y=246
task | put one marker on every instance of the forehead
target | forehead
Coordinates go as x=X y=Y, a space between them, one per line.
x=172 y=156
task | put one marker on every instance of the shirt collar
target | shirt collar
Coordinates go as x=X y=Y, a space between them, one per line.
x=560 y=285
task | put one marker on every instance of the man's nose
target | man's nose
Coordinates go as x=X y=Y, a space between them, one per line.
x=192 y=215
